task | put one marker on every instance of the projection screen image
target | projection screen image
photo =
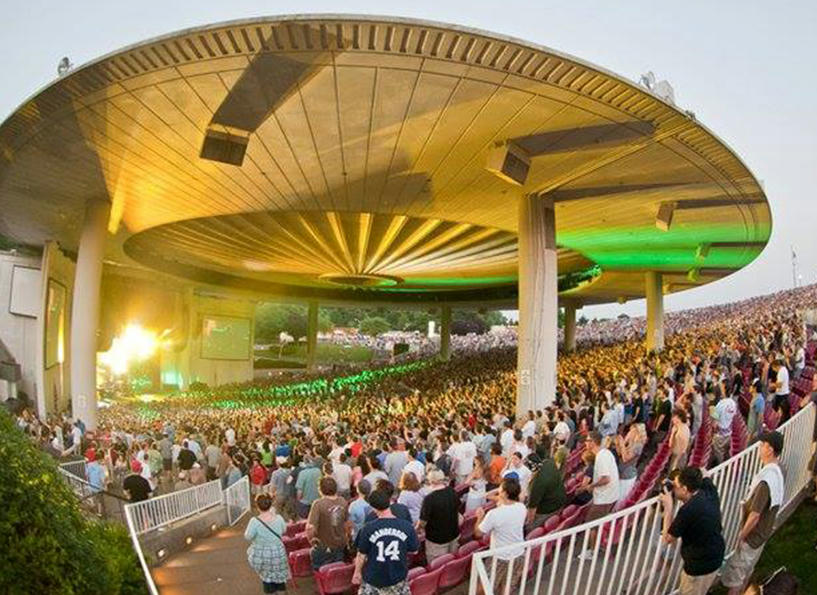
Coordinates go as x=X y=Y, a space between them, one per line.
x=225 y=337
x=55 y=325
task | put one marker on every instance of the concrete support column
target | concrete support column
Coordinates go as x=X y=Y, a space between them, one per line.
x=655 y=311
x=445 y=333
x=312 y=335
x=538 y=306
x=570 y=326
x=85 y=311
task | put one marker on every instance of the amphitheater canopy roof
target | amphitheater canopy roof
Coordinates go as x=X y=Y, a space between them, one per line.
x=364 y=173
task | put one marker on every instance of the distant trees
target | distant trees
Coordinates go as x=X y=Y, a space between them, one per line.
x=271 y=319
x=374 y=325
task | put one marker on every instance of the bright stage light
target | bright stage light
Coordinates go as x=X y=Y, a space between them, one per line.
x=135 y=344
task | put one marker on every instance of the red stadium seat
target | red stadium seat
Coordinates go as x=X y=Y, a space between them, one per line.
x=538 y=532
x=455 y=572
x=551 y=524
x=300 y=563
x=296 y=542
x=440 y=562
x=567 y=511
x=426 y=584
x=294 y=529
x=415 y=572
x=469 y=548
x=467 y=529
x=334 y=578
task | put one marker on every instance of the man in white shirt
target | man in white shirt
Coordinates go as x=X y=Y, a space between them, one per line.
x=523 y=474
x=519 y=444
x=337 y=450
x=781 y=389
x=229 y=434
x=342 y=473
x=605 y=486
x=462 y=454
x=505 y=524
x=529 y=428
x=506 y=439
x=562 y=431
x=395 y=461
x=414 y=466
x=724 y=412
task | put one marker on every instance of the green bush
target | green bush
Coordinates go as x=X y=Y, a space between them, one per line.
x=47 y=545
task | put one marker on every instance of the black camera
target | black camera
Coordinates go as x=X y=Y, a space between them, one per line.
x=667 y=485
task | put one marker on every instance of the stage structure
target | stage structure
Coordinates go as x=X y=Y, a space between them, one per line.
x=346 y=159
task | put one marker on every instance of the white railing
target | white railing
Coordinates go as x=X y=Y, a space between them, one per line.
x=76 y=468
x=78 y=484
x=237 y=500
x=139 y=553
x=155 y=513
x=628 y=555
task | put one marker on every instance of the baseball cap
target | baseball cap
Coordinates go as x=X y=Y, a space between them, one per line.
x=773 y=439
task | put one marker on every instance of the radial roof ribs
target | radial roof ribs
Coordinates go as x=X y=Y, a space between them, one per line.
x=350 y=158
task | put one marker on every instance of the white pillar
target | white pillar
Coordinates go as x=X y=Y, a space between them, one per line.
x=312 y=335
x=445 y=333
x=570 y=326
x=538 y=307
x=654 y=292
x=85 y=311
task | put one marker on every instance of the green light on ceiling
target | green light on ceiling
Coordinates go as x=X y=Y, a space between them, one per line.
x=459 y=281
x=648 y=247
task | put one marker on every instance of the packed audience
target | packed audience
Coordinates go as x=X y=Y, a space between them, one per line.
x=414 y=449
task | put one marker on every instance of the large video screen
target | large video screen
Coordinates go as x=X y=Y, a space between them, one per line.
x=55 y=324
x=225 y=337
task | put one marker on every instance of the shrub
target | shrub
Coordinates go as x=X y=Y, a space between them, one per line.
x=48 y=545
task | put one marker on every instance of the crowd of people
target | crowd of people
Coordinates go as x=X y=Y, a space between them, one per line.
x=370 y=464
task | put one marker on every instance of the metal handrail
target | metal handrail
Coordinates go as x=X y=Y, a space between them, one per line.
x=639 y=564
x=161 y=511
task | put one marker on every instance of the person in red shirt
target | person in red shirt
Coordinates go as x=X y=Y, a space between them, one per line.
x=356 y=448
x=90 y=453
x=258 y=476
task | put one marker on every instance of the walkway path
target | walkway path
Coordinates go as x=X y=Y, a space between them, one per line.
x=216 y=566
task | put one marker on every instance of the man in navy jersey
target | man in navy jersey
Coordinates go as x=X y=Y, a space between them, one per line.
x=383 y=546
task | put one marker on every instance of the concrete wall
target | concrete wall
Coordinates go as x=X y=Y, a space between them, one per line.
x=18 y=332
x=54 y=383
x=173 y=539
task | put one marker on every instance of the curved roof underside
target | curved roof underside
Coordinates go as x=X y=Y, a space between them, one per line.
x=364 y=175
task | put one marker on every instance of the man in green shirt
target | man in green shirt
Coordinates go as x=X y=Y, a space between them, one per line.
x=547 y=490
x=306 y=487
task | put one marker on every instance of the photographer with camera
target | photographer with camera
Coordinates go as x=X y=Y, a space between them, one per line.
x=697 y=524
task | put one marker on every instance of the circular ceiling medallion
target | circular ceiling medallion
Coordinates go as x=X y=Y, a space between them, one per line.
x=361 y=280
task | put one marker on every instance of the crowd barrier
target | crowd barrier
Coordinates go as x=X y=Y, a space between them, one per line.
x=161 y=511
x=237 y=500
x=158 y=513
x=628 y=555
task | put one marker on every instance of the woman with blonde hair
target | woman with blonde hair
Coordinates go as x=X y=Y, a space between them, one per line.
x=476 y=491
x=410 y=495
x=629 y=450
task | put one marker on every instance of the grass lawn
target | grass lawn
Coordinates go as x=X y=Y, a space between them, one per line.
x=327 y=353
x=793 y=547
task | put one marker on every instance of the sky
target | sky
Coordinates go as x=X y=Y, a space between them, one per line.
x=744 y=67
